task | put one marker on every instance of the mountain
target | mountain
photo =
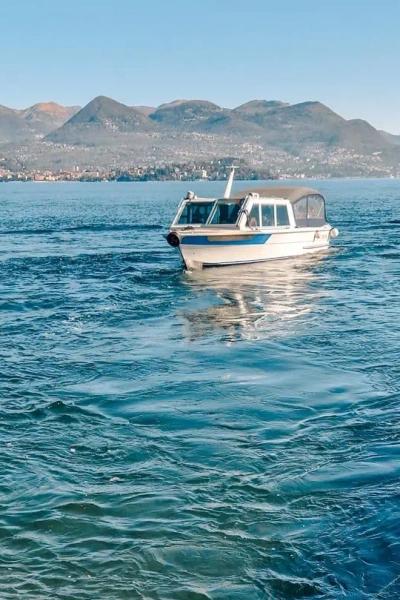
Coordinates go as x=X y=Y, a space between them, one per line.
x=291 y=127
x=145 y=110
x=276 y=123
x=229 y=124
x=100 y=120
x=13 y=128
x=47 y=116
x=389 y=137
x=202 y=117
x=297 y=124
x=33 y=122
x=259 y=107
x=307 y=137
x=185 y=114
x=358 y=133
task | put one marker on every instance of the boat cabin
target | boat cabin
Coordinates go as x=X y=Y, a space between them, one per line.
x=256 y=208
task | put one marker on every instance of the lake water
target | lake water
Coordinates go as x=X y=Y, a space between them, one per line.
x=232 y=434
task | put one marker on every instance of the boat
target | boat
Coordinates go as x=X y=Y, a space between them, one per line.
x=250 y=226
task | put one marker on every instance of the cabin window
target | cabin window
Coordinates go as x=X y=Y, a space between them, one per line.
x=282 y=217
x=300 y=212
x=254 y=216
x=195 y=213
x=267 y=215
x=316 y=210
x=310 y=211
x=226 y=213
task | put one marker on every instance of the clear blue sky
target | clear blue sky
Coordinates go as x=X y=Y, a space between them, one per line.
x=345 y=53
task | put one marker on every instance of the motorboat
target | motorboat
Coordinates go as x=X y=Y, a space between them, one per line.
x=250 y=226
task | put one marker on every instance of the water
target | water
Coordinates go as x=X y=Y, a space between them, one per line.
x=227 y=435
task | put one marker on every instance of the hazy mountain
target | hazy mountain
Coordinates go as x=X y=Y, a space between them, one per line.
x=33 y=122
x=145 y=110
x=228 y=123
x=299 y=123
x=202 y=117
x=358 y=133
x=47 y=116
x=185 y=114
x=13 y=128
x=259 y=107
x=276 y=123
x=389 y=137
x=100 y=120
x=106 y=131
x=291 y=127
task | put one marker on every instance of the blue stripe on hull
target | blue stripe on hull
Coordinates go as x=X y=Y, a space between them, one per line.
x=205 y=240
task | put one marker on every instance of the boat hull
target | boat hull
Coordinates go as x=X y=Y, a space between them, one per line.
x=200 y=251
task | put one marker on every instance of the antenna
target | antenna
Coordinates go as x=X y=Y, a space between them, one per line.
x=229 y=183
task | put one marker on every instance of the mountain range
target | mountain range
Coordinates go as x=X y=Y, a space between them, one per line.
x=33 y=122
x=106 y=132
x=272 y=122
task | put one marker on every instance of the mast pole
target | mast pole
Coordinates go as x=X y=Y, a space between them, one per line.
x=229 y=183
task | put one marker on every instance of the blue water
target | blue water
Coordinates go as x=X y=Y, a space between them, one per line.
x=232 y=434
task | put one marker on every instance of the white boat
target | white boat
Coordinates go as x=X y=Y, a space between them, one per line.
x=250 y=226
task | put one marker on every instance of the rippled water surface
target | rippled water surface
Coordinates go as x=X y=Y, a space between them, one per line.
x=232 y=434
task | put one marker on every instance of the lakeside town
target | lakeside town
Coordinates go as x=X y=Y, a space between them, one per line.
x=212 y=170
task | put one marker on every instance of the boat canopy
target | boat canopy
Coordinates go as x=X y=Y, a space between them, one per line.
x=291 y=193
x=308 y=204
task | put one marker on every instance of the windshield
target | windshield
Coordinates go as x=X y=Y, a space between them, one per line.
x=309 y=211
x=195 y=213
x=226 y=213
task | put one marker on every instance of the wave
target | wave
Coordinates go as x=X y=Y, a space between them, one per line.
x=101 y=227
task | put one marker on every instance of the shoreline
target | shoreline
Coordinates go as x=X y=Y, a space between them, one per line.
x=294 y=178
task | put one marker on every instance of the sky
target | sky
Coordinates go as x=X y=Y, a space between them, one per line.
x=344 y=53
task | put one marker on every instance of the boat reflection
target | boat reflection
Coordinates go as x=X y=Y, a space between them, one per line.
x=270 y=299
